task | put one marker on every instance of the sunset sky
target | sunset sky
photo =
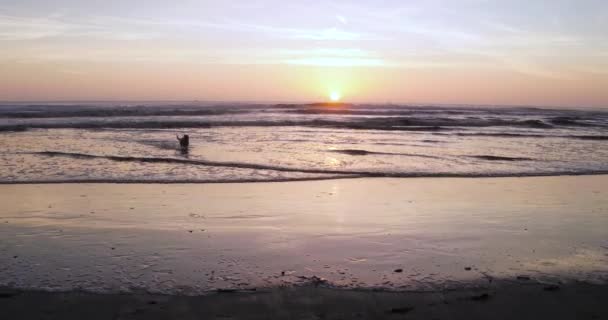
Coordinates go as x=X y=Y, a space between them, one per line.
x=532 y=52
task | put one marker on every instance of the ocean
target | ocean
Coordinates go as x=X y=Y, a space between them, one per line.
x=367 y=219
x=238 y=142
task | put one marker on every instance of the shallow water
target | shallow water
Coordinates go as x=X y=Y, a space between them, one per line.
x=237 y=143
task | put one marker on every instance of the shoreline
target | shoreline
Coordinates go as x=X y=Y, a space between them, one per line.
x=312 y=179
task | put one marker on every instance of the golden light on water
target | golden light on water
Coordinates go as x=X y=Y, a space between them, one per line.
x=335 y=96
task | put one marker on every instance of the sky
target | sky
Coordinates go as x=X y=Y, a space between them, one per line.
x=516 y=52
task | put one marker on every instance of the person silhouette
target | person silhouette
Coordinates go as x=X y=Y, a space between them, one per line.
x=184 y=142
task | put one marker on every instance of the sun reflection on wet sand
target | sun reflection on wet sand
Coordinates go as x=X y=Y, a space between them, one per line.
x=431 y=228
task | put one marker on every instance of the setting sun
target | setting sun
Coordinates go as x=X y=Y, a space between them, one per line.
x=335 y=96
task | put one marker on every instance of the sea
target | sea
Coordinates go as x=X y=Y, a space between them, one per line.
x=135 y=142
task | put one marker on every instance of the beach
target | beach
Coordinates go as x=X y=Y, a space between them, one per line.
x=269 y=159
x=493 y=240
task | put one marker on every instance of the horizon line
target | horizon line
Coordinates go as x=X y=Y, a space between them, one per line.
x=419 y=104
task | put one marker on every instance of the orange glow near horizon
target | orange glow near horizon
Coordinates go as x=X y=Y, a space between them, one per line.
x=295 y=84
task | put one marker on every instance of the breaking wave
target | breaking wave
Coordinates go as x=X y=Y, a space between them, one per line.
x=341 y=116
x=388 y=124
x=525 y=135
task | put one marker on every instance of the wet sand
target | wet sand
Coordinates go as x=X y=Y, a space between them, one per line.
x=497 y=301
x=309 y=249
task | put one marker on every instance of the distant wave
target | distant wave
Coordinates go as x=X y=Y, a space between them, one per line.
x=524 y=135
x=374 y=124
x=118 y=109
x=427 y=118
x=592 y=137
x=68 y=111
x=174 y=124
x=408 y=110
x=572 y=121
x=381 y=123
x=439 y=122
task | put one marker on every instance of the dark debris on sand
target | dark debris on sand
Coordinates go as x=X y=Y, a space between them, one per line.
x=226 y=290
x=6 y=295
x=481 y=297
x=401 y=310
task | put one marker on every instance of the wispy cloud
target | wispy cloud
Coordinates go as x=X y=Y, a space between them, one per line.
x=410 y=34
x=335 y=57
x=121 y=28
x=20 y=28
x=326 y=34
x=337 y=62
